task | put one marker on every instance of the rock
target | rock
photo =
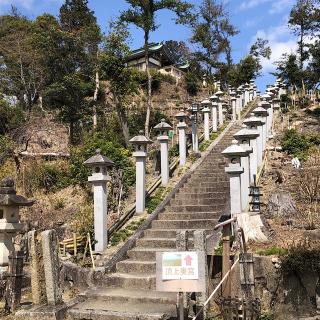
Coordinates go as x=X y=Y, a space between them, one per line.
x=281 y=204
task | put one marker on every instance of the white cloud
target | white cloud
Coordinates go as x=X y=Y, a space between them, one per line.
x=276 y=6
x=280 y=5
x=281 y=41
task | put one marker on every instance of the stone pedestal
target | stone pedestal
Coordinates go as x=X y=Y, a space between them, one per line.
x=219 y=94
x=181 y=116
x=263 y=114
x=234 y=169
x=99 y=178
x=163 y=128
x=234 y=107
x=140 y=143
x=194 y=129
x=256 y=123
x=214 y=117
x=206 y=112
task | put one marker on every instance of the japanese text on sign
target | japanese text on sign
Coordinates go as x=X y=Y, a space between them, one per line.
x=180 y=265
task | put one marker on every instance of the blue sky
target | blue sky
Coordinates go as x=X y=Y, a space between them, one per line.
x=254 y=18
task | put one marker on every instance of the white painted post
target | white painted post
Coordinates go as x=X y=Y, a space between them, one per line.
x=163 y=128
x=140 y=143
x=181 y=116
x=99 y=178
x=234 y=169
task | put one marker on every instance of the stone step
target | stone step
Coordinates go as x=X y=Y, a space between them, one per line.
x=156 y=242
x=207 y=195
x=203 y=190
x=185 y=224
x=136 y=266
x=95 y=309
x=165 y=233
x=209 y=179
x=129 y=295
x=209 y=184
x=195 y=208
x=146 y=254
x=209 y=201
x=145 y=281
x=188 y=216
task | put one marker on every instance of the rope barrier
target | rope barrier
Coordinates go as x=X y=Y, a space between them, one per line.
x=216 y=289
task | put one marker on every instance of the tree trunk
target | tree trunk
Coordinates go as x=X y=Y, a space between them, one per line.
x=71 y=132
x=95 y=98
x=301 y=48
x=146 y=55
x=123 y=120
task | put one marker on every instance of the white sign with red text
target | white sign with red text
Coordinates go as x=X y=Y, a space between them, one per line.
x=180 y=266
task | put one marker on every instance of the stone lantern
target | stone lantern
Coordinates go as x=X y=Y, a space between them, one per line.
x=140 y=143
x=248 y=137
x=181 y=116
x=233 y=105
x=234 y=153
x=219 y=94
x=214 y=113
x=263 y=114
x=256 y=123
x=239 y=103
x=244 y=141
x=99 y=178
x=206 y=104
x=246 y=94
x=194 y=109
x=163 y=129
x=242 y=90
x=10 y=224
x=268 y=107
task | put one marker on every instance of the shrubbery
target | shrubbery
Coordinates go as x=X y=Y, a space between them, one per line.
x=301 y=259
x=192 y=84
x=11 y=117
x=298 y=144
x=46 y=176
x=114 y=151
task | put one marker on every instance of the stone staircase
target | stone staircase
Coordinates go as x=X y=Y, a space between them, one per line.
x=129 y=293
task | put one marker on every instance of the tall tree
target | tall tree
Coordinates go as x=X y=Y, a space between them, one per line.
x=79 y=21
x=212 y=31
x=142 y=13
x=304 y=20
x=22 y=74
x=113 y=68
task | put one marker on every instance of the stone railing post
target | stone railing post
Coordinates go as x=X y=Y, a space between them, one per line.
x=99 y=178
x=163 y=128
x=140 y=143
x=234 y=169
